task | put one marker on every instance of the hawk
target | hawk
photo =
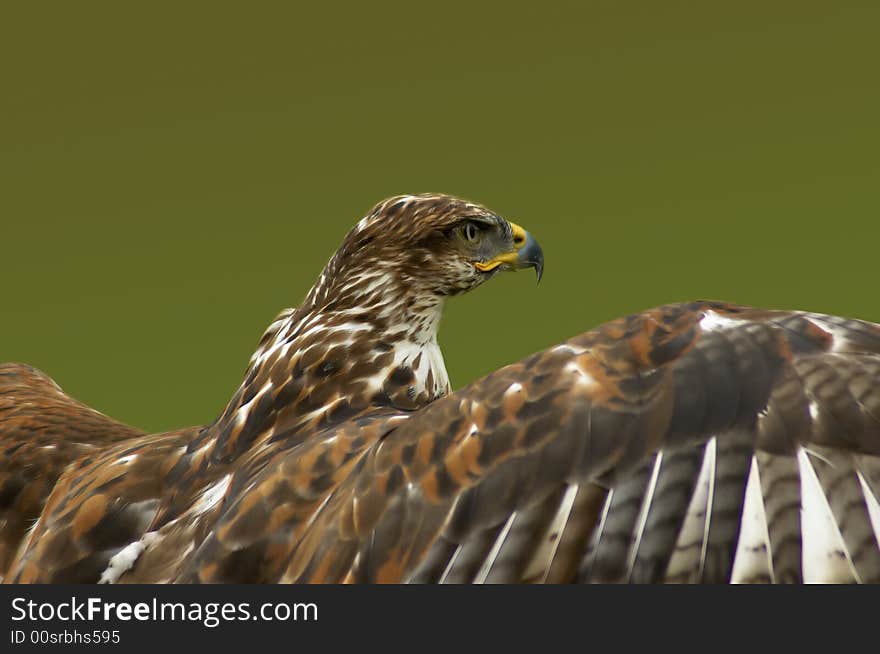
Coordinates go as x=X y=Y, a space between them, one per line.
x=696 y=442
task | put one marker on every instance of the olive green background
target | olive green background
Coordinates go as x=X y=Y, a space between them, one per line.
x=172 y=175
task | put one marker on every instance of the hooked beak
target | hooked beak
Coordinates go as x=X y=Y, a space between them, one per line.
x=526 y=253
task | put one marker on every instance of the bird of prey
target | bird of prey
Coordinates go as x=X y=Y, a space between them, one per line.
x=695 y=442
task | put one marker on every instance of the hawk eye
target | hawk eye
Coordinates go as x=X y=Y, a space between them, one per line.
x=471 y=232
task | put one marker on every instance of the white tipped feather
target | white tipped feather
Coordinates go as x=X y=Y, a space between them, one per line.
x=753 y=557
x=449 y=565
x=539 y=565
x=825 y=557
x=598 y=532
x=582 y=377
x=213 y=495
x=125 y=558
x=711 y=455
x=712 y=321
x=687 y=558
x=483 y=572
x=643 y=514
x=840 y=337
x=873 y=506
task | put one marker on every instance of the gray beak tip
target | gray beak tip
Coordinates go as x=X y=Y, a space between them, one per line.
x=531 y=256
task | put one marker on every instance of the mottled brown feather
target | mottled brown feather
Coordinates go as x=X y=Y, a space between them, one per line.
x=42 y=430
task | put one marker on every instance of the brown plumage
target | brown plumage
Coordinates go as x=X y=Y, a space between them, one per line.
x=41 y=431
x=693 y=442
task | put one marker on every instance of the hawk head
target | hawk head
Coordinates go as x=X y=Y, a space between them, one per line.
x=366 y=335
x=429 y=244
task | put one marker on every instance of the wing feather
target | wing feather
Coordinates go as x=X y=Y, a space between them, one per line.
x=781 y=494
x=751 y=563
x=692 y=442
x=689 y=553
x=693 y=417
x=607 y=563
x=42 y=431
x=732 y=465
x=520 y=555
x=584 y=518
x=675 y=486
x=842 y=488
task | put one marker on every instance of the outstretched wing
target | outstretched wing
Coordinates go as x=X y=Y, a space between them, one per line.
x=42 y=430
x=101 y=513
x=138 y=511
x=699 y=442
